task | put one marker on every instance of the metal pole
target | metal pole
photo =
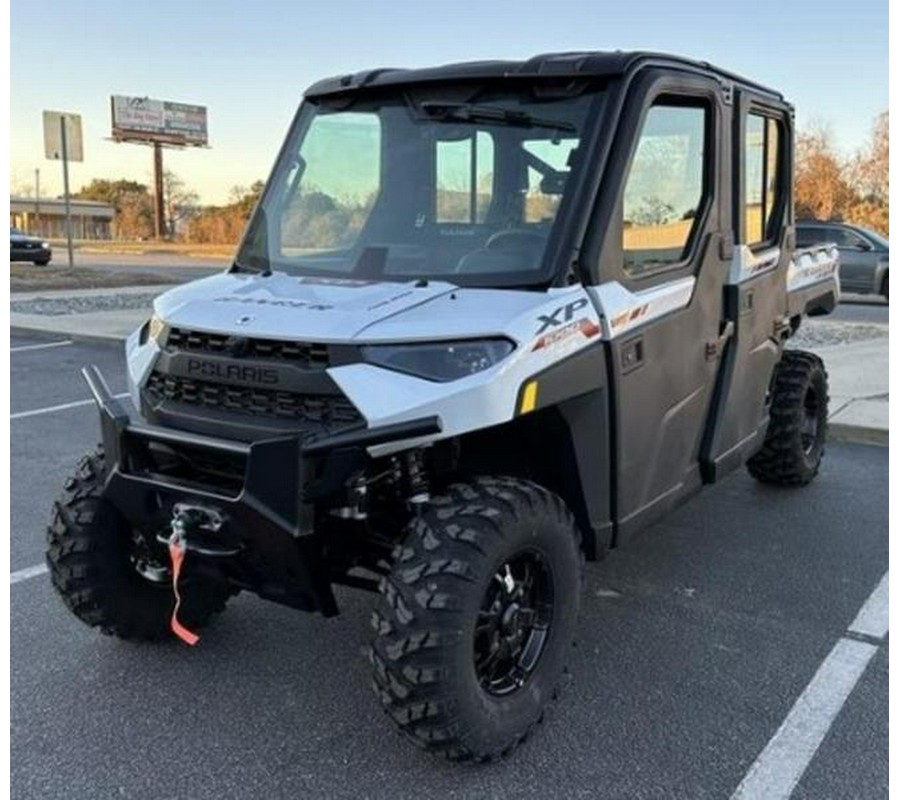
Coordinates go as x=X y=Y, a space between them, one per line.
x=65 y=160
x=159 y=211
x=37 y=201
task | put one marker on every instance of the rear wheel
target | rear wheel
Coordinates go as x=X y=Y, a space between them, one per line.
x=476 y=619
x=109 y=576
x=798 y=419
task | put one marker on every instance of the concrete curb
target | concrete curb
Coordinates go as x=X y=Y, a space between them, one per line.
x=857 y=434
x=45 y=333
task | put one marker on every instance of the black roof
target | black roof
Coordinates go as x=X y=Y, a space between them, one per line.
x=549 y=65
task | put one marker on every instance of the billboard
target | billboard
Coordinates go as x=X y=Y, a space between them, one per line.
x=140 y=119
x=53 y=122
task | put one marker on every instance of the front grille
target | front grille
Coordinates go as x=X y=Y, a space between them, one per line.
x=330 y=411
x=303 y=354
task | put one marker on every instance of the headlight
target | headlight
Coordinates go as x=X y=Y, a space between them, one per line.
x=45 y=245
x=155 y=329
x=440 y=361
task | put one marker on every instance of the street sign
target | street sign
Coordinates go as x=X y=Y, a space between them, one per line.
x=53 y=144
x=63 y=142
x=141 y=119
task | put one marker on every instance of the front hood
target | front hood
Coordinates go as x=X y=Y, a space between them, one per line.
x=281 y=306
x=18 y=239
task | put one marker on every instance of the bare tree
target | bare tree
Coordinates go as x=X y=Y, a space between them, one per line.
x=181 y=202
x=855 y=189
x=20 y=187
x=872 y=164
x=821 y=186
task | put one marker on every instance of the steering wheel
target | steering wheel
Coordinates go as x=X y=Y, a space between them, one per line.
x=514 y=239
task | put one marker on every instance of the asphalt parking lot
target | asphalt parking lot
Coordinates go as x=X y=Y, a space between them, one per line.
x=695 y=643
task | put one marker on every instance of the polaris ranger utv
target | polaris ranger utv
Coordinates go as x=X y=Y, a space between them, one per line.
x=486 y=321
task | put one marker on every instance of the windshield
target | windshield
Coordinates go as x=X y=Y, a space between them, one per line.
x=421 y=186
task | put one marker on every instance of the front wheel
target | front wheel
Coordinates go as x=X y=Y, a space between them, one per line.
x=476 y=620
x=798 y=418
x=108 y=575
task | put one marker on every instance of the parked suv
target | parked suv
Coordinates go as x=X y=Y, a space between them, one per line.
x=864 y=254
x=487 y=321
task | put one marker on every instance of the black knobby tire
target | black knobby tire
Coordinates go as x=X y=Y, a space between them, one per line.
x=89 y=553
x=425 y=646
x=798 y=419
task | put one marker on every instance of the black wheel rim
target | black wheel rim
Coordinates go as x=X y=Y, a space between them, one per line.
x=513 y=623
x=809 y=433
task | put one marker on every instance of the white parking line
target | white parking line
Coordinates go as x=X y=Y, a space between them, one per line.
x=872 y=619
x=29 y=572
x=25 y=347
x=50 y=409
x=789 y=752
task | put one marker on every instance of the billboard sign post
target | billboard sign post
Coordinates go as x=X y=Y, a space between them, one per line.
x=63 y=141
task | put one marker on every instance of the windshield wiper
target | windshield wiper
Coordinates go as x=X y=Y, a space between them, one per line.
x=467 y=112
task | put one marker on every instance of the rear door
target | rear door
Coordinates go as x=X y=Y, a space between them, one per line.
x=756 y=291
x=662 y=268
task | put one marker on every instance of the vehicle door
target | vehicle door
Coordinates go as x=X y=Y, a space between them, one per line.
x=755 y=307
x=858 y=260
x=659 y=288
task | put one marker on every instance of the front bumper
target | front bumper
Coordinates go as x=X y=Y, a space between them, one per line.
x=268 y=513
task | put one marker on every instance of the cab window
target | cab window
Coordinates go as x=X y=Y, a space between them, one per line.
x=665 y=188
x=464 y=180
x=762 y=178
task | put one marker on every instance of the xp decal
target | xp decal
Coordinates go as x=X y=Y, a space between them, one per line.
x=561 y=315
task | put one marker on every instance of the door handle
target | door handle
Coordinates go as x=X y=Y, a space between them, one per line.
x=632 y=355
x=715 y=348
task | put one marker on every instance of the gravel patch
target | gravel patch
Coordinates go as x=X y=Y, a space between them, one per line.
x=58 y=306
x=819 y=333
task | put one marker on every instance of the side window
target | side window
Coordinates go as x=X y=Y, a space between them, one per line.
x=548 y=170
x=807 y=237
x=844 y=238
x=664 y=190
x=464 y=179
x=762 y=177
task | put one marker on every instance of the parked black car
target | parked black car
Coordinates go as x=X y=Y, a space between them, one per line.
x=23 y=247
x=864 y=254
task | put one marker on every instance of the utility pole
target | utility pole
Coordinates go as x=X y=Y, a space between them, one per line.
x=65 y=161
x=37 y=201
x=159 y=207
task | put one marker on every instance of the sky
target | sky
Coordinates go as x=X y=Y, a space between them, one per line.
x=250 y=62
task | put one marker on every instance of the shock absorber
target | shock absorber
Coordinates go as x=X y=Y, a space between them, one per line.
x=418 y=488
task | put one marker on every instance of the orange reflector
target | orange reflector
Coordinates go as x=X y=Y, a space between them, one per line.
x=529 y=398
